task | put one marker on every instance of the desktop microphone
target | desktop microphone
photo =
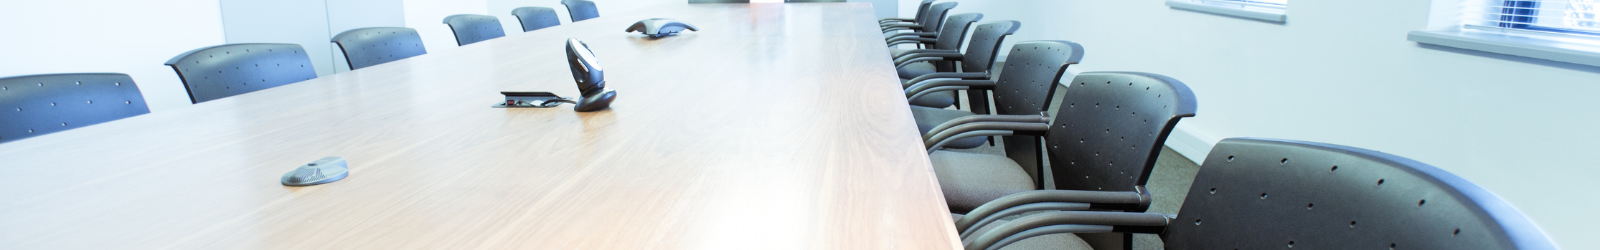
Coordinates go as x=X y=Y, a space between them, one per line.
x=590 y=77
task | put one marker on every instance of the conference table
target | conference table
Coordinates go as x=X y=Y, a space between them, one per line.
x=776 y=126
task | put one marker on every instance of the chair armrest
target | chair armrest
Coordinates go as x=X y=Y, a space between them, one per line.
x=980 y=129
x=907 y=39
x=915 y=51
x=1069 y=222
x=897 y=19
x=895 y=26
x=923 y=57
x=1040 y=118
x=914 y=34
x=967 y=232
x=942 y=75
x=1137 y=201
x=928 y=85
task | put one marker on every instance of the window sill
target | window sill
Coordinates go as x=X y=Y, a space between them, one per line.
x=1257 y=13
x=1571 y=50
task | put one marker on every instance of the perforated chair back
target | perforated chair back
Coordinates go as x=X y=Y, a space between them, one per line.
x=35 y=105
x=533 y=18
x=1024 y=88
x=1254 y=193
x=954 y=31
x=473 y=28
x=581 y=10
x=936 y=16
x=922 y=10
x=372 y=46
x=1110 y=127
x=215 y=72
x=985 y=45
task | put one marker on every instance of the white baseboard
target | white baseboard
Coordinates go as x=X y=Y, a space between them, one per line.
x=1191 y=142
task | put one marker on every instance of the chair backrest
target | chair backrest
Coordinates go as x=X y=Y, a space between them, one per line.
x=581 y=10
x=954 y=31
x=372 y=46
x=719 y=1
x=533 y=18
x=922 y=10
x=1023 y=88
x=985 y=45
x=226 y=70
x=473 y=28
x=35 y=105
x=1255 y=193
x=1110 y=127
x=936 y=16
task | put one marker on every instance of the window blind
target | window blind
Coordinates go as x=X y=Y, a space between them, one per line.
x=1276 y=4
x=1562 y=16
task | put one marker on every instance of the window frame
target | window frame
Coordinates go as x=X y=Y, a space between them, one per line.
x=1517 y=35
x=1249 y=9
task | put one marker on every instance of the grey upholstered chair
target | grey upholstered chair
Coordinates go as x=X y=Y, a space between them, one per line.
x=922 y=10
x=533 y=18
x=226 y=70
x=581 y=10
x=952 y=32
x=1254 y=193
x=34 y=105
x=975 y=65
x=1024 y=85
x=473 y=28
x=372 y=46
x=719 y=1
x=1107 y=133
x=929 y=23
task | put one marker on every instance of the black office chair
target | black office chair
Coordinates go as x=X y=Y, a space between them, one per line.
x=372 y=46
x=975 y=65
x=34 y=105
x=1024 y=87
x=533 y=18
x=719 y=1
x=473 y=28
x=226 y=70
x=1255 y=193
x=930 y=22
x=1106 y=137
x=922 y=10
x=581 y=10
x=952 y=32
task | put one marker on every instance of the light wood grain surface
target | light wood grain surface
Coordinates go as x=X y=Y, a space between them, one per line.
x=777 y=126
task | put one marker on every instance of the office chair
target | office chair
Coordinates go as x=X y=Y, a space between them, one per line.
x=922 y=10
x=719 y=1
x=1026 y=81
x=952 y=32
x=1256 y=193
x=533 y=18
x=372 y=46
x=975 y=65
x=34 y=105
x=1106 y=137
x=581 y=10
x=226 y=70
x=473 y=28
x=929 y=23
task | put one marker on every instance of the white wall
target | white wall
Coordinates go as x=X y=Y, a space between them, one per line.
x=1522 y=128
x=75 y=36
x=303 y=22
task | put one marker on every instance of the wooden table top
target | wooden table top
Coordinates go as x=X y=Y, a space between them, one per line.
x=777 y=126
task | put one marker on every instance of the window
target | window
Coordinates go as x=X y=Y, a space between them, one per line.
x=1557 y=30
x=1265 y=10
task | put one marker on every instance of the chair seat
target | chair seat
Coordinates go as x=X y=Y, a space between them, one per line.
x=916 y=69
x=1052 y=241
x=969 y=180
x=941 y=99
x=928 y=118
x=896 y=52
